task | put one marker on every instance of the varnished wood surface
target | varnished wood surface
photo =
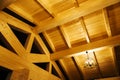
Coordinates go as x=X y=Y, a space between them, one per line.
x=70 y=27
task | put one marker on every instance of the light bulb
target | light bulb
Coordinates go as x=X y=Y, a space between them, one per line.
x=90 y=63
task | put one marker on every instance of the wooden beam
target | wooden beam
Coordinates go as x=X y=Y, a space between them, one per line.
x=76 y=3
x=106 y=21
x=49 y=41
x=11 y=61
x=85 y=30
x=44 y=48
x=48 y=54
x=21 y=26
x=29 y=42
x=74 y=13
x=49 y=68
x=12 y=39
x=65 y=36
x=58 y=70
x=98 y=66
x=68 y=65
x=21 y=12
x=5 y=3
x=97 y=44
x=41 y=43
x=46 y=6
x=38 y=58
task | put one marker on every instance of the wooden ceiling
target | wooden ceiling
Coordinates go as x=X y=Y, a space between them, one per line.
x=63 y=30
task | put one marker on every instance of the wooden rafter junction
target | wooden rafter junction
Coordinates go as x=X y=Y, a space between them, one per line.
x=47 y=39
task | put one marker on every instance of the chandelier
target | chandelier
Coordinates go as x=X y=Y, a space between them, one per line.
x=90 y=62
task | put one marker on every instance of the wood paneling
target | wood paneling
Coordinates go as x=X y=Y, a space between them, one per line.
x=106 y=62
x=75 y=50
x=57 y=39
x=74 y=31
x=70 y=69
x=95 y=24
x=88 y=73
x=69 y=27
x=74 y=13
x=114 y=18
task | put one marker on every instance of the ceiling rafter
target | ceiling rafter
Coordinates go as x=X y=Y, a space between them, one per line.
x=47 y=7
x=96 y=44
x=54 y=50
x=14 y=62
x=15 y=22
x=106 y=21
x=29 y=42
x=98 y=66
x=49 y=68
x=12 y=39
x=21 y=12
x=44 y=48
x=85 y=30
x=103 y=37
x=58 y=70
x=38 y=58
x=66 y=37
x=49 y=41
x=72 y=14
x=67 y=67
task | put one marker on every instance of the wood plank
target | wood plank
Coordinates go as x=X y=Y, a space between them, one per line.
x=85 y=30
x=12 y=39
x=38 y=38
x=38 y=58
x=19 y=25
x=68 y=66
x=49 y=67
x=114 y=18
x=97 y=44
x=49 y=41
x=106 y=21
x=74 y=13
x=41 y=43
x=46 y=6
x=21 y=12
x=106 y=62
x=11 y=61
x=58 y=70
x=29 y=42
x=66 y=37
x=5 y=3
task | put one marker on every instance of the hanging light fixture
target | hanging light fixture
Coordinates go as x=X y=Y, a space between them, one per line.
x=89 y=63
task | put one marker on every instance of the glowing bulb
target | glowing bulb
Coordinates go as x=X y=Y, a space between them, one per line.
x=89 y=63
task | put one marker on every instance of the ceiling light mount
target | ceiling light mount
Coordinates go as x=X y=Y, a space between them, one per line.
x=90 y=62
